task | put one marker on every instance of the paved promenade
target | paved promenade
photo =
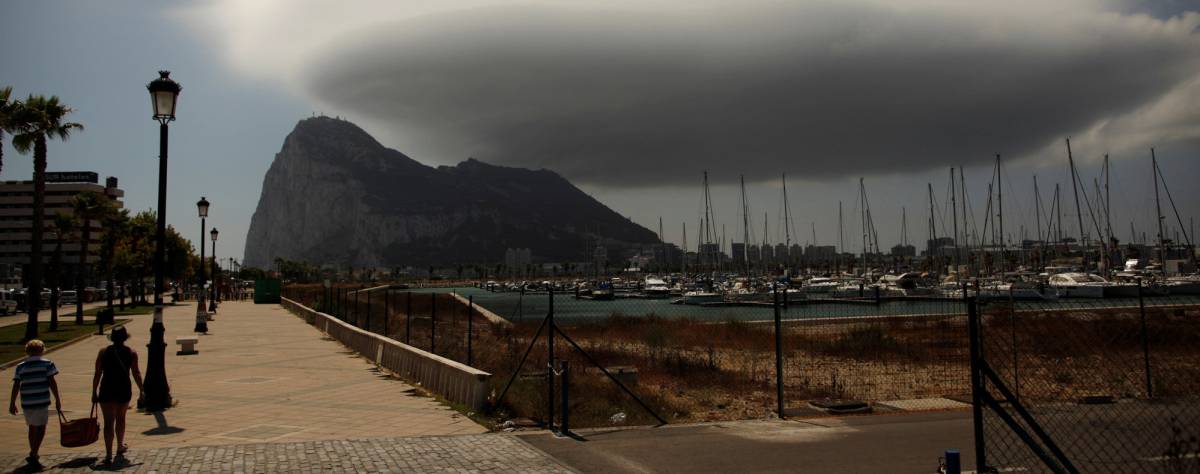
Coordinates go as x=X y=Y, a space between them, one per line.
x=266 y=385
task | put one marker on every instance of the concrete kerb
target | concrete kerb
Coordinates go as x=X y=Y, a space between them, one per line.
x=449 y=379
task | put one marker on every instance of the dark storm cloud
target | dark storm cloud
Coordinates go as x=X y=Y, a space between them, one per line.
x=649 y=96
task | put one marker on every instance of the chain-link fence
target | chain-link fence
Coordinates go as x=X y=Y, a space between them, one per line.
x=1090 y=384
x=639 y=356
x=1113 y=390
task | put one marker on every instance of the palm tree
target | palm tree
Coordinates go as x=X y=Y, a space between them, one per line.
x=89 y=207
x=116 y=228
x=7 y=107
x=38 y=119
x=64 y=226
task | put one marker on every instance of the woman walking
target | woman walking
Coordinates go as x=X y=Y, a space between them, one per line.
x=111 y=389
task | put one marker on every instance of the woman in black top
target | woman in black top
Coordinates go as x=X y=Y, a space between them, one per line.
x=111 y=388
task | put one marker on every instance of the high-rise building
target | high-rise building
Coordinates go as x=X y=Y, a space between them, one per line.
x=16 y=221
x=739 y=253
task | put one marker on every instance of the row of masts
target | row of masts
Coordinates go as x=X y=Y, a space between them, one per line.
x=708 y=251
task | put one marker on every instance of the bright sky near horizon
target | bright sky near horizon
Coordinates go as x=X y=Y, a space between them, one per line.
x=632 y=100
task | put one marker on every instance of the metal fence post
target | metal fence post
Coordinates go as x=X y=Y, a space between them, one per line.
x=470 y=328
x=368 y=325
x=433 y=323
x=387 y=310
x=565 y=425
x=778 y=350
x=976 y=384
x=407 y=316
x=550 y=365
x=1145 y=341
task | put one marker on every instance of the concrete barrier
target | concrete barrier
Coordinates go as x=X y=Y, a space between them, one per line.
x=486 y=313
x=452 y=380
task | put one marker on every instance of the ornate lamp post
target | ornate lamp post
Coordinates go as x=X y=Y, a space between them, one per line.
x=201 y=316
x=212 y=301
x=163 y=95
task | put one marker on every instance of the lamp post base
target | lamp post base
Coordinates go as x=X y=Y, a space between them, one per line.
x=157 y=392
x=201 y=322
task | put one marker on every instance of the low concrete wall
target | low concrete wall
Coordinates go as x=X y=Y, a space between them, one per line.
x=486 y=313
x=454 y=381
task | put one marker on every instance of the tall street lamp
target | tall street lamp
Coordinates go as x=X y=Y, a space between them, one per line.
x=212 y=301
x=201 y=316
x=163 y=94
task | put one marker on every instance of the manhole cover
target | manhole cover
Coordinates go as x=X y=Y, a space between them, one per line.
x=262 y=432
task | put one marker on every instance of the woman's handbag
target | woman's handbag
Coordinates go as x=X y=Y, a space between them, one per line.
x=81 y=432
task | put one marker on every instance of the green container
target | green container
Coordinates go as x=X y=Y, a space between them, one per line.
x=266 y=291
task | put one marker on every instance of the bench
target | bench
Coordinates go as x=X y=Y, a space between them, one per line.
x=187 y=345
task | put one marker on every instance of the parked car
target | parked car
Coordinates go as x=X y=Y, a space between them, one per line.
x=8 y=303
x=67 y=297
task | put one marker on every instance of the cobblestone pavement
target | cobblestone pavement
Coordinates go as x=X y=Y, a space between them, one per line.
x=465 y=453
x=262 y=376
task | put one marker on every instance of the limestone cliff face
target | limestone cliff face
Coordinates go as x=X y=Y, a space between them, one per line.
x=334 y=195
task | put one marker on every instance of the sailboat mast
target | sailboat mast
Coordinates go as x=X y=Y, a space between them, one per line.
x=863 y=208
x=1078 y=210
x=1058 y=212
x=1158 y=216
x=954 y=215
x=1107 y=202
x=787 y=221
x=962 y=188
x=932 y=227
x=1037 y=204
x=745 y=228
x=683 y=261
x=1000 y=211
x=841 y=239
x=663 y=240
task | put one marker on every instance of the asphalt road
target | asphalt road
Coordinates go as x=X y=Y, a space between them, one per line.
x=899 y=443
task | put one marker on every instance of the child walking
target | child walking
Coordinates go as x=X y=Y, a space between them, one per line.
x=34 y=380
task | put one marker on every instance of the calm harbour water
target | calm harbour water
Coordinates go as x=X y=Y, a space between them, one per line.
x=532 y=307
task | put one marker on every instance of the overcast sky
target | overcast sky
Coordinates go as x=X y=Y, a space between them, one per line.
x=633 y=100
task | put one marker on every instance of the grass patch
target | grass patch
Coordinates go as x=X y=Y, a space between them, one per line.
x=12 y=348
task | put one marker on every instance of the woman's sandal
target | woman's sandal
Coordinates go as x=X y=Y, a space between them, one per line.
x=122 y=449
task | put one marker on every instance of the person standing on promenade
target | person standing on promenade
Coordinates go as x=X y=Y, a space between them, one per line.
x=34 y=380
x=111 y=389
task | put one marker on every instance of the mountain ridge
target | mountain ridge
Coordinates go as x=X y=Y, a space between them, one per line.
x=335 y=195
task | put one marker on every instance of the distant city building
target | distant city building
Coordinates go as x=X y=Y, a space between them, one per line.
x=781 y=253
x=600 y=257
x=710 y=254
x=16 y=220
x=939 y=246
x=517 y=260
x=752 y=254
x=904 y=251
x=739 y=253
x=768 y=253
x=820 y=253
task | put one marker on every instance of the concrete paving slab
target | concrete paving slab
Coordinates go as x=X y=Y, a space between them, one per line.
x=259 y=366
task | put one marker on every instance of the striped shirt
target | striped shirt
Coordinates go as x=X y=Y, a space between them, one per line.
x=34 y=375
